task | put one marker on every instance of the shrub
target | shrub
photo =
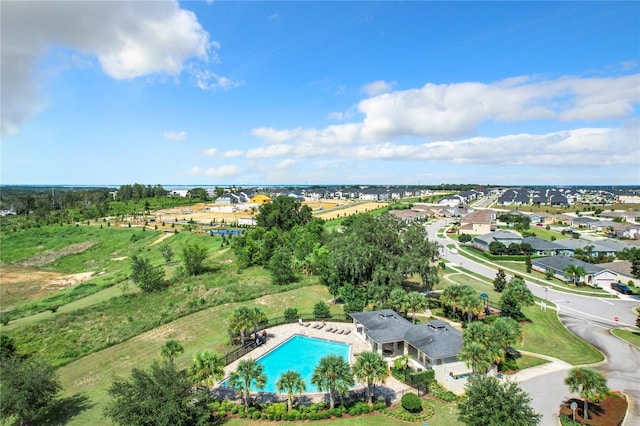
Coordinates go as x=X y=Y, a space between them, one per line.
x=411 y=402
x=291 y=314
x=321 y=310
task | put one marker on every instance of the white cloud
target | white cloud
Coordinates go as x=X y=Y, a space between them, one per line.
x=175 y=136
x=448 y=111
x=129 y=39
x=286 y=164
x=226 y=171
x=232 y=153
x=377 y=88
x=213 y=152
x=208 y=80
x=582 y=147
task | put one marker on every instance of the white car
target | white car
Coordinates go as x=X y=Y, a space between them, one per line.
x=454 y=250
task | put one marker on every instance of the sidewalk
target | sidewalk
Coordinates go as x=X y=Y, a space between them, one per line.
x=554 y=365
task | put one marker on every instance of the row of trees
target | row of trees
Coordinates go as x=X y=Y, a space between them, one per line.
x=333 y=375
x=463 y=298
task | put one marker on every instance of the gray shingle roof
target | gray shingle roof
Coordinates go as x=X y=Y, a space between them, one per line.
x=437 y=339
x=560 y=263
x=538 y=244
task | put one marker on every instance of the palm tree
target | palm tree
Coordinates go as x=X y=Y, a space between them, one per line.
x=397 y=299
x=207 y=367
x=451 y=296
x=575 y=272
x=171 y=349
x=370 y=368
x=291 y=382
x=506 y=332
x=332 y=374
x=241 y=320
x=476 y=356
x=415 y=301
x=248 y=372
x=471 y=304
x=590 y=384
x=257 y=317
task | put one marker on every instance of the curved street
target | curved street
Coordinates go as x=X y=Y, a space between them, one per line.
x=590 y=318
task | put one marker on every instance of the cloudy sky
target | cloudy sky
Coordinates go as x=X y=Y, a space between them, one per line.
x=216 y=93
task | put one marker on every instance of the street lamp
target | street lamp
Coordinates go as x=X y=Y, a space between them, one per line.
x=546 y=290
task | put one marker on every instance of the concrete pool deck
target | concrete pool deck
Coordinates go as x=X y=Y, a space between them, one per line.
x=279 y=334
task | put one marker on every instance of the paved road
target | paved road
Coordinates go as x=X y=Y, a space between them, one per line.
x=590 y=318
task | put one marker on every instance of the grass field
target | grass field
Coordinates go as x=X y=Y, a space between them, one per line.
x=546 y=335
x=204 y=330
x=632 y=337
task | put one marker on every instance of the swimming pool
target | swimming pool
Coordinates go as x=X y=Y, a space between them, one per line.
x=301 y=354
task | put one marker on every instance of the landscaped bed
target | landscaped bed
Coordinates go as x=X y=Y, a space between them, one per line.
x=610 y=412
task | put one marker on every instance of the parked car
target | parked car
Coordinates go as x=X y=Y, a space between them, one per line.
x=621 y=288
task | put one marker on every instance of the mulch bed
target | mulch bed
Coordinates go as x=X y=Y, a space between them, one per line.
x=609 y=413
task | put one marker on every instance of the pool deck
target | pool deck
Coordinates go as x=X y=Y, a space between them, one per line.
x=279 y=334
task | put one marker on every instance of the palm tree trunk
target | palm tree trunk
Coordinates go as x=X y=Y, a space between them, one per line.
x=290 y=402
x=586 y=414
x=331 y=401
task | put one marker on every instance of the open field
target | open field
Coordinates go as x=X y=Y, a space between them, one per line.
x=349 y=210
x=219 y=214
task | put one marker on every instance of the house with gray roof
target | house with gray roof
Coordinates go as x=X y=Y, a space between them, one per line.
x=545 y=248
x=483 y=242
x=595 y=275
x=388 y=333
x=571 y=244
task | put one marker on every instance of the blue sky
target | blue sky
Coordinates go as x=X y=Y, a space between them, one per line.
x=219 y=93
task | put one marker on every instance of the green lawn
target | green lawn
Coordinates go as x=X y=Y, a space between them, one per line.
x=632 y=337
x=546 y=335
x=204 y=330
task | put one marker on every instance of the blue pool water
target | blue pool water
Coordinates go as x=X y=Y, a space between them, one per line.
x=301 y=354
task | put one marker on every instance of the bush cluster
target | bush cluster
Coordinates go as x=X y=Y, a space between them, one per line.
x=278 y=411
x=411 y=402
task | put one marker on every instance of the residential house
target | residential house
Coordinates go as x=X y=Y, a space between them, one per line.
x=391 y=335
x=478 y=222
x=595 y=275
x=408 y=216
x=545 y=248
x=483 y=242
x=623 y=269
x=593 y=247
x=260 y=199
x=228 y=198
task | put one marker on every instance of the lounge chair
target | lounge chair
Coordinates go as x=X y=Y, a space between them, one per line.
x=334 y=330
x=347 y=332
x=329 y=330
x=317 y=325
x=341 y=331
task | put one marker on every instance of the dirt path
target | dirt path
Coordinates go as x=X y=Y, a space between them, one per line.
x=161 y=238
